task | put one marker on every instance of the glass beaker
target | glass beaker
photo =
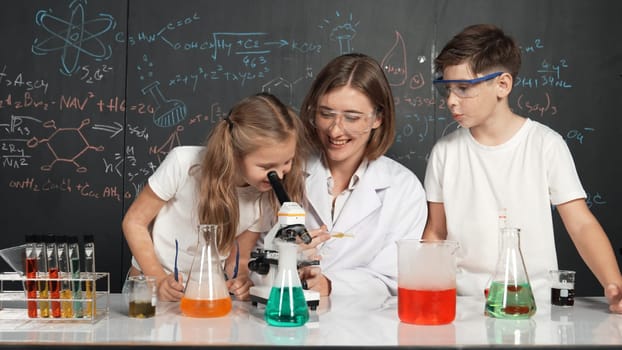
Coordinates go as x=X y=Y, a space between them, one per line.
x=206 y=293
x=426 y=281
x=142 y=296
x=287 y=306
x=510 y=293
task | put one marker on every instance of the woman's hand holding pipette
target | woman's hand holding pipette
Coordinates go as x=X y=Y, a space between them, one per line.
x=311 y=275
x=318 y=237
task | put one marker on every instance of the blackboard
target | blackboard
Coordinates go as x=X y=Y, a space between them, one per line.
x=94 y=94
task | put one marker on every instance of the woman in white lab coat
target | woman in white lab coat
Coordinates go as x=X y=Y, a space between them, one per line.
x=361 y=201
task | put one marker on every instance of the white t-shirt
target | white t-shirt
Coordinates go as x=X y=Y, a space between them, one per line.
x=178 y=218
x=525 y=175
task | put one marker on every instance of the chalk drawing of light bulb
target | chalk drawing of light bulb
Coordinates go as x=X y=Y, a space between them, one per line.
x=167 y=112
x=344 y=34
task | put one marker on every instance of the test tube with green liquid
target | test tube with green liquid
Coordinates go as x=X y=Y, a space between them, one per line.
x=76 y=283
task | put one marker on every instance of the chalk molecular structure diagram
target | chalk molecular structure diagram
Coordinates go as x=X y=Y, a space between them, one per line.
x=79 y=36
x=57 y=136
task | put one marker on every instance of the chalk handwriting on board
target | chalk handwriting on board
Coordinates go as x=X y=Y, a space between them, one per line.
x=79 y=36
x=245 y=57
x=595 y=199
x=19 y=81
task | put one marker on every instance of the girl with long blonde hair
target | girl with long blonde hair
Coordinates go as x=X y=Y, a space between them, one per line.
x=224 y=183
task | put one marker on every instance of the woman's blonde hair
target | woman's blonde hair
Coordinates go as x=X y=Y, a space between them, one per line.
x=253 y=122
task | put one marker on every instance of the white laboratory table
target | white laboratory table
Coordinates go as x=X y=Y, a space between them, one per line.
x=338 y=321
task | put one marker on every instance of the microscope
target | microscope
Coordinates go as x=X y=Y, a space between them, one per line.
x=289 y=227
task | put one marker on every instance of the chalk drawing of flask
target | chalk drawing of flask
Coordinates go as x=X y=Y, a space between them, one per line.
x=167 y=112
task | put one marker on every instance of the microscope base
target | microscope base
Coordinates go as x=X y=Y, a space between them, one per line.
x=260 y=295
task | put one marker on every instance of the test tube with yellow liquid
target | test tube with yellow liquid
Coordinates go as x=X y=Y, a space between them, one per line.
x=66 y=307
x=42 y=283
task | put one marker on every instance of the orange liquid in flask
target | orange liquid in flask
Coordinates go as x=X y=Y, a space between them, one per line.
x=205 y=307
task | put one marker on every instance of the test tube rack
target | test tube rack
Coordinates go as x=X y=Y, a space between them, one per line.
x=14 y=298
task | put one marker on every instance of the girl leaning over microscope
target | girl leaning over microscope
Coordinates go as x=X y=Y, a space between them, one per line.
x=222 y=183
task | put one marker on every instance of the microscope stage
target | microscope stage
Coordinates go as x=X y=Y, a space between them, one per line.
x=261 y=294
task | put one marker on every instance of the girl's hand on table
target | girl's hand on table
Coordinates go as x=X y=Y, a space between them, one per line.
x=240 y=287
x=169 y=289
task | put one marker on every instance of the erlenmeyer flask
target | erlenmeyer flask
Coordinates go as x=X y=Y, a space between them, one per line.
x=503 y=223
x=286 y=306
x=206 y=293
x=510 y=293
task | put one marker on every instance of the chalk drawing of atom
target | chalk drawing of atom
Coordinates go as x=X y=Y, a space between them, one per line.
x=73 y=37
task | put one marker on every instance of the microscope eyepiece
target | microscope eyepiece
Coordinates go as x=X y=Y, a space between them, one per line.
x=277 y=186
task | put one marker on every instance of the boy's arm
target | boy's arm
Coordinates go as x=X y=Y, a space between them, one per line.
x=436 y=226
x=594 y=247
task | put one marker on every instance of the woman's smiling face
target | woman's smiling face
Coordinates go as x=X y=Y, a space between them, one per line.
x=339 y=145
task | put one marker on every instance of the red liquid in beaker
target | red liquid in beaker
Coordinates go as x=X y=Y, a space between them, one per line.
x=426 y=307
x=205 y=307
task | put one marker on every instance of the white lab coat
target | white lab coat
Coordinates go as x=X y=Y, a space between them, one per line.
x=387 y=204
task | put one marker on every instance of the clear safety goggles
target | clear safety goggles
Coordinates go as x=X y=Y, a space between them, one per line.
x=352 y=123
x=462 y=88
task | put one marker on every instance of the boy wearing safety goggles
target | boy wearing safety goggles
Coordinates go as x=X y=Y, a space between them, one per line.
x=500 y=162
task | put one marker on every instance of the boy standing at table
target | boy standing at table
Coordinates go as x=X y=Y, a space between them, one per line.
x=500 y=161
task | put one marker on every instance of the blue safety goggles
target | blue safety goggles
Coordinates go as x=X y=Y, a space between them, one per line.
x=463 y=88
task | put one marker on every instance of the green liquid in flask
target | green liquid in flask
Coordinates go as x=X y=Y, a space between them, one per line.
x=510 y=301
x=285 y=310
